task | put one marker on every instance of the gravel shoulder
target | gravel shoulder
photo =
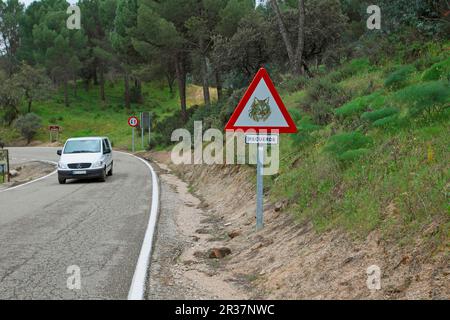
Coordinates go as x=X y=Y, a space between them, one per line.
x=28 y=171
x=181 y=267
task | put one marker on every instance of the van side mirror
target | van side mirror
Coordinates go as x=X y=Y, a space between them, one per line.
x=59 y=152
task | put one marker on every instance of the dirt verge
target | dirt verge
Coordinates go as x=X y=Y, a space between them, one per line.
x=28 y=171
x=181 y=267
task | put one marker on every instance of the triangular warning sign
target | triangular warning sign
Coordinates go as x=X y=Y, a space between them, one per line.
x=261 y=108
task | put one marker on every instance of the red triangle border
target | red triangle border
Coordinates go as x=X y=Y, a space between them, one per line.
x=261 y=74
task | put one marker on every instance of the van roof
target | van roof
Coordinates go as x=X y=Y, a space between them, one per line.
x=87 y=138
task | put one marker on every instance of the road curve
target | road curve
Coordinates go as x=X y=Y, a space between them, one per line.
x=45 y=228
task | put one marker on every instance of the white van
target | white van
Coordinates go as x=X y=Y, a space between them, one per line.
x=85 y=158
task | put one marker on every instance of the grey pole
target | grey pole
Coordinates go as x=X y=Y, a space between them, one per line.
x=259 y=187
x=132 y=140
x=149 y=125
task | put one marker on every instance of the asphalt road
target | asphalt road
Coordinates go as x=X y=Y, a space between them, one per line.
x=45 y=228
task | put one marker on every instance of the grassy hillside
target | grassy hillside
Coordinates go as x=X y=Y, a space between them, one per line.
x=382 y=161
x=88 y=116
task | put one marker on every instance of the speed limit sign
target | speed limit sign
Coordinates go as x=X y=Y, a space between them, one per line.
x=133 y=121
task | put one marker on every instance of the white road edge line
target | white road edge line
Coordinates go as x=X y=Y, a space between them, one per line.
x=35 y=180
x=138 y=283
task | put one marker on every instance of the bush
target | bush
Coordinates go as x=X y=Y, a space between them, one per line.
x=437 y=71
x=386 y=121
x=354 y=67
x=322 y=112
x=399 y=78
x=355 y=107
x=352 y=155
x=426 y=62
x=322 y=96
x=305 y=127
x=162 y=133
x=373 y=116
x=336 y=76
x=339 y=145
x=28 y=125
x=292 y=84
x=425 y=99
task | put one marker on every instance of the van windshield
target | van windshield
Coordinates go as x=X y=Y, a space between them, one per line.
x=82 y=146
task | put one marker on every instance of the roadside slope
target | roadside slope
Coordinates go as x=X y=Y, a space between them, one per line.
x=291 y=260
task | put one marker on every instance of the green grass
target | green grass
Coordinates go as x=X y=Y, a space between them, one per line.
x=87 y=115
x=398 y=185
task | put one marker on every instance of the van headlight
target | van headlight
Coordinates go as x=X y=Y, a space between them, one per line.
x=62 y=165
x=98 y=164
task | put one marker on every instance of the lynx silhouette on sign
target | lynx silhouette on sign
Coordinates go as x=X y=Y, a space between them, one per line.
x=260 y=110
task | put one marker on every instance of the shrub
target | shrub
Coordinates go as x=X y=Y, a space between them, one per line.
x=322 y=96
x=336 y=76
x=425 y=99
x=292 y=84
x=354 y=67
x=399 y=78
x=162 y=133
x=305 y=127
x=339 y=145
x=426 y=62
x=323 y=89
x=322 y=112
x=437 y=71
x=355 y=107
x=352 y=155
x=28 y=125
x=373 y=116
x=386 y=121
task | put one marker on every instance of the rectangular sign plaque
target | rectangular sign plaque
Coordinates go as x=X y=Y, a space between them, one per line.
x=261 y=139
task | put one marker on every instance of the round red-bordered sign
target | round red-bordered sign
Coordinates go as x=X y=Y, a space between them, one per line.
x=133 y=121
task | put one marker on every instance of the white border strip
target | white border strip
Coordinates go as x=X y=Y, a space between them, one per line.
x=35 y=180
x=138 y=283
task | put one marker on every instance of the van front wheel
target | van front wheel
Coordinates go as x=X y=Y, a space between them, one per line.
x=103 y=176
x=110 y=172
x=61 y=180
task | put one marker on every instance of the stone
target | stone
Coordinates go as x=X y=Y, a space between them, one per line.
x=13 y=173
x=234 y=234
x=219 y=253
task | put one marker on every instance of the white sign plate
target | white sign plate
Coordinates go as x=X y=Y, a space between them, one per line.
x=261 y=139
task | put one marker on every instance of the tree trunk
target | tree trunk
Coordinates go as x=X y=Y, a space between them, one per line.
x=284 y=33
x=301 y=37
x=86 y=85
x=75 y=87
x=102 y=86
x=127 y=91
x=219 y=86
x=138 y=90
x=66 y=93
x=205 y=83
x=295 y=58
x=95 y=76
x=170 y=84
x=204 y=70
x=181 y=79
x=30 y=101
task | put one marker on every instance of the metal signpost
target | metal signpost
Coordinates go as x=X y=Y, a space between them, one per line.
x=145 y=125
x=261 y=110
x=133 y=122
x=54 y=130
x=4 y=164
